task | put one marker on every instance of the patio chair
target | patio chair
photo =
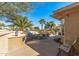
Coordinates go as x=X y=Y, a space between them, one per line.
x=28 y=37
x=58 y=39
x=68 y=49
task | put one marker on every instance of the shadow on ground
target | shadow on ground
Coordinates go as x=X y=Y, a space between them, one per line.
x=44 y=47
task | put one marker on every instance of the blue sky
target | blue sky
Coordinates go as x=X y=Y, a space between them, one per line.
x=44 y=10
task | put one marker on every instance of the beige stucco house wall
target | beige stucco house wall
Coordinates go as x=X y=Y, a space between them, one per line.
x=70 y=14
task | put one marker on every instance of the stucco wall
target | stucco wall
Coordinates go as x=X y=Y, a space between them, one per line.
x=15 y=43
x=71 y=27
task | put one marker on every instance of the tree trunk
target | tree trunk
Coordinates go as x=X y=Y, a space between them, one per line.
x=41 y=26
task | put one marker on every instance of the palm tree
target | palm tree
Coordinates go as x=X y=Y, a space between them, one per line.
x=21 y=23
x=29 y=24
x=47 y=25
x=50 y=25
x=42 y=22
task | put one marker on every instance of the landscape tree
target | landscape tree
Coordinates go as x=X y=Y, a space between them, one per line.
x=2 y=25
x=62 y=25
x=42 y=22
x=62 y=28
x=11 y=9
x=12 y=27
x=36 y=28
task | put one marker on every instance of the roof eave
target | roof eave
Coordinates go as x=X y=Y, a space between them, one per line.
x=58 y=13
